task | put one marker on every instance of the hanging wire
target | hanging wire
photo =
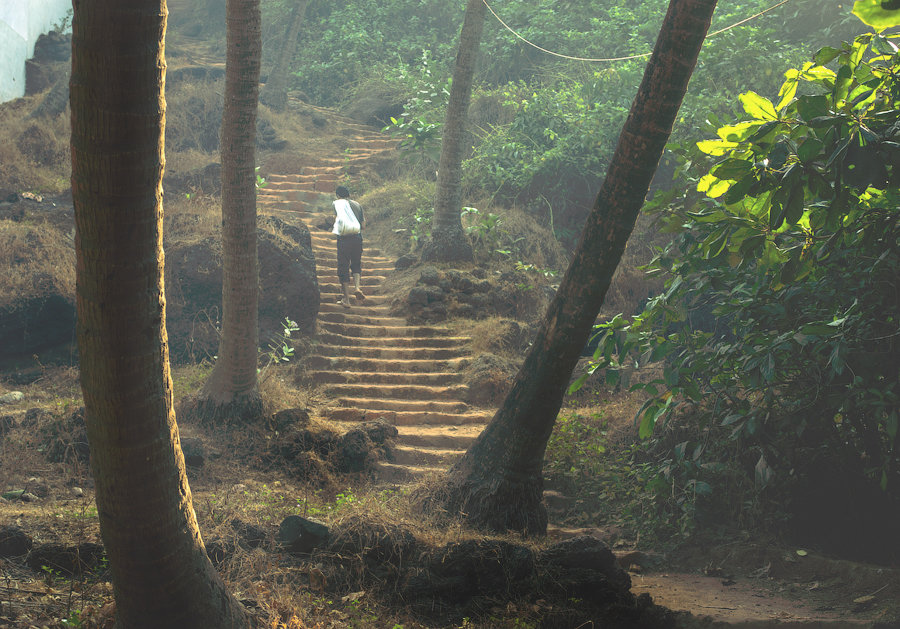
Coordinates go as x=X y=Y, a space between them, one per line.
x=608 y=59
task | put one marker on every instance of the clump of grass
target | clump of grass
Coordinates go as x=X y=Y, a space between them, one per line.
x=35 y=261
x=34 y=153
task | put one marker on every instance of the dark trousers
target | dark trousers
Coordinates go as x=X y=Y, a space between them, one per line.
x=349 y=256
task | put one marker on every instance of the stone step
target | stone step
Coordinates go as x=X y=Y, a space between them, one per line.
x=364 y=280
x=382 y=310
x=406 y=406
x=405 y=418
x=424 y=455
x=353 y=318
x=396 y=391
x=445 y=437
x=417 y=331
x=402 y=474
x=391 y=353
x=358 y=363
x=394 y=378
x=392 y=341
x=334 y=296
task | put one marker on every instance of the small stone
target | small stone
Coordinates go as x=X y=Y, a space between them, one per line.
x=12 y=397
x=29 y=497
x=78 y=492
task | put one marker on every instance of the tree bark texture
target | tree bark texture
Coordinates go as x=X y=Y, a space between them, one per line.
x=498 y=483
x=448 y=240
x=275 y=92
x=161 y=574
x=233 y=381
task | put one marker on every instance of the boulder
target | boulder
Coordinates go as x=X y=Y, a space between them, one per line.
x=288 y=418
x=300 y=535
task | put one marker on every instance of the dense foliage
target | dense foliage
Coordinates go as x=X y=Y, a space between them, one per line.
x=544 y=126
x=779 y=328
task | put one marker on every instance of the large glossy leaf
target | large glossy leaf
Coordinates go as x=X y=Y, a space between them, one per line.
x=716 y=148
x=740 y=131
x=758 y=106
x=879 y=14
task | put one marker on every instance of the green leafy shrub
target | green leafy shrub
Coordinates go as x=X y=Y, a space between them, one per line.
x=777 y=334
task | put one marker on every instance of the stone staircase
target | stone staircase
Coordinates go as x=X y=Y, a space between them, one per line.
x=368 y=363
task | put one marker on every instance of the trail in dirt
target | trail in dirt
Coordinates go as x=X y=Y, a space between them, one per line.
x=370 y=364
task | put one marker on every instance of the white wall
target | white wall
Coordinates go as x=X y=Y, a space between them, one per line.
x=21 y=23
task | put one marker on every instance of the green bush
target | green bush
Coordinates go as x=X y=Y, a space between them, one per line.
x=778 y=330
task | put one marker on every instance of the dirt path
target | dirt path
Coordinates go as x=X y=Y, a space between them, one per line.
x=370 y=364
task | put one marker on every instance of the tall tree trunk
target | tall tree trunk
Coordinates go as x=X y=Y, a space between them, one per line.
x=498 y=483
x=448 y=241
x=232 y=390
x=161 y=575
x=274 y=94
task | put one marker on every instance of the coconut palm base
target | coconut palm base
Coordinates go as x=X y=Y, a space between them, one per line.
x=211 y=411
x=493 y=504
x=448 y=246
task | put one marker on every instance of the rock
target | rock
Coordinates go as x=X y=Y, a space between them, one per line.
x=430 y=276
x=289 y=418
x=14 y=542
x=67 y=560
x=249 y=535
x=29 y=497
x=405 y=261
x=379 y=431
x=37 y=487
x=435 y=294
x=460 y=571
x=355 y=451
x=583 y=560
x=12 y=397
x=194 y=451
x=301 y=535
x=417 y=296
x=77 y=492
x=53 y=47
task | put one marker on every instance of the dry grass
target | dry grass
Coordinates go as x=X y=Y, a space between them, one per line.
x=36 y=260
x=34 y=154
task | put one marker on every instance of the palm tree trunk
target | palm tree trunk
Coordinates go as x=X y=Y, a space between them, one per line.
x=232 y=387
x=448 y=241
x=498 y=483
x=274 y=94
x=161 y=575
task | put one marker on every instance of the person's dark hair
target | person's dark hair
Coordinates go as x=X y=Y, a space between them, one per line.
x=342 y=192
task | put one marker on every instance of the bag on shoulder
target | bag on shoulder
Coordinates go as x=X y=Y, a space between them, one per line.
x=345 y=223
